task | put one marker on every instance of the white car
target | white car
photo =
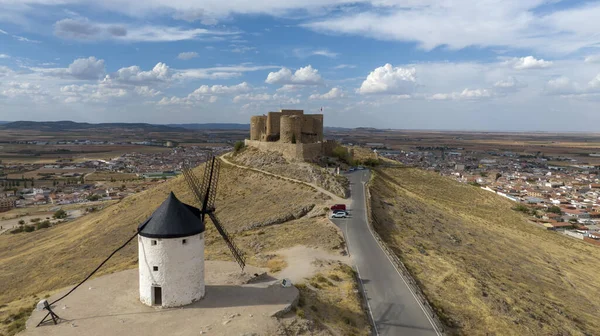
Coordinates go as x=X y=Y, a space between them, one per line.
x=339 y=214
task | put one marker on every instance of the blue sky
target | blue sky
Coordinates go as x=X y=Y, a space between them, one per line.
x=407 y=64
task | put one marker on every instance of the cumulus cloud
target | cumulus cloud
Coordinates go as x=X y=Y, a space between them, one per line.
x=16 y=89
x=134 y=75
x=91 y=93
x=528 y=62
x=389 y=80
x=303 y=76
x=334 y=93
x=466 y=94
x=82 y=68
x=223 y=89
x=511 y=84
x=187 y=55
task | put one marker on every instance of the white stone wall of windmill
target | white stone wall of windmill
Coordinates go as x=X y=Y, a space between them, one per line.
x=171 y=270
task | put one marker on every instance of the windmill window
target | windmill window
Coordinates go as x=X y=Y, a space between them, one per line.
x=153 y=242
x=184 y=241
x=155 y=268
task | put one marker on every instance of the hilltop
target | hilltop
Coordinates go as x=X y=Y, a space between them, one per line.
x=483 y=266
x=249 y=203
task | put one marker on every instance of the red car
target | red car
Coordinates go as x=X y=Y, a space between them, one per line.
x=338 y=207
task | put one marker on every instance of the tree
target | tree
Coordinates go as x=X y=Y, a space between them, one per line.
x=60 y=214
x=342 y=154
x=93 y=198
x=554 y=209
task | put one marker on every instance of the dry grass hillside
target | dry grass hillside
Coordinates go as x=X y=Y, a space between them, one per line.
x=34 y=264
x=275 y=163
x=482 y=265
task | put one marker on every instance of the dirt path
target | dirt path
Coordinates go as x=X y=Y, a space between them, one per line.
x=304 y=262
x=334 y=198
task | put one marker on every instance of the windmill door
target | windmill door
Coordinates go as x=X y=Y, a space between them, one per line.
x=157 y=296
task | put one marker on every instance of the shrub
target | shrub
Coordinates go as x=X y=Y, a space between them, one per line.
x=342 y=154
x=371 y=162
x=28 y=228
x=93 y=198
x=42 y=225
x=60 y=214
x=238 y=146
x=21 y=222
x=35 y=220
x=521 y=208
x=300 y=313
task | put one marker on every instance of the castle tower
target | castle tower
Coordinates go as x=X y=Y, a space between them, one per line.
x=171 y=255
x=291 y=129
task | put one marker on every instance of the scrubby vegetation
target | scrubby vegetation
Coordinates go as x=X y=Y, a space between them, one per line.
x=485 y=268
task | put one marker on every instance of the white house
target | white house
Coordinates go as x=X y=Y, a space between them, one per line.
x=171 y=255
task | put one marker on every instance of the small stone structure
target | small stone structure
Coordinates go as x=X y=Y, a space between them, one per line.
x=171 y=255
x=297 y=136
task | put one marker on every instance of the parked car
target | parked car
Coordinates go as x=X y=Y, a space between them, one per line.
x=342 y=212
x=339 y=214
x=338 y=207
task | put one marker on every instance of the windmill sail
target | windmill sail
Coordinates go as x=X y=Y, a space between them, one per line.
x=206 y=193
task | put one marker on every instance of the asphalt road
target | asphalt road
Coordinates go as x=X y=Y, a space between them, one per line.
x=392 y=305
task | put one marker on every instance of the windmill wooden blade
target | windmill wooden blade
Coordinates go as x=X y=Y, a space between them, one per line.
x=237 y=253
x=206 y=194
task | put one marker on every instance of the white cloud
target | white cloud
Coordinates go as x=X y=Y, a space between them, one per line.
x=389 y=80
x=265 y=97
x=16 y=89
x=564 y=86
x=528 y=62
x=466 y=94
x=146 y=91
x=511 y=84
x=220 y=72
x=344 y=66
x=25 y=39
x=94 y=93
x=187 y=55
x=290 y=88
x=135 y=75
x=592 y=59
x=3 y=32
x=4 y=56
x=460 y=24
x=334 y=93
x=307 y=52
x=82 y=68
x=303 y=76
x=223 y=89
x=213 y=99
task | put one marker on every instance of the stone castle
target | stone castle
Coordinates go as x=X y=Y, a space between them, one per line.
x=297 y=136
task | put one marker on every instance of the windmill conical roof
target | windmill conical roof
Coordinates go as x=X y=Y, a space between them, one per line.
x=172 y=219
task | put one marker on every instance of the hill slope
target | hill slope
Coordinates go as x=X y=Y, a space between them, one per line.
x=42 y=261
x=65 y=126
x=481 y=264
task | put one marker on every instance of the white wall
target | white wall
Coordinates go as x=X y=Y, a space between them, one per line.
x=180 y=269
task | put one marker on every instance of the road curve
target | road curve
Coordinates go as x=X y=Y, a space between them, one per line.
x=393 y=307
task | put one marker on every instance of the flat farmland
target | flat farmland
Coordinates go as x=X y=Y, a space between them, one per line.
x=50 y=172
x=26 y=153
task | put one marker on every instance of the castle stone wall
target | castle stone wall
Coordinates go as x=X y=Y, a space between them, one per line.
x=290 y=151
x=291 y=127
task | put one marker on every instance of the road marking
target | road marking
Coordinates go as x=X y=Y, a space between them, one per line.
x=394 y=265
